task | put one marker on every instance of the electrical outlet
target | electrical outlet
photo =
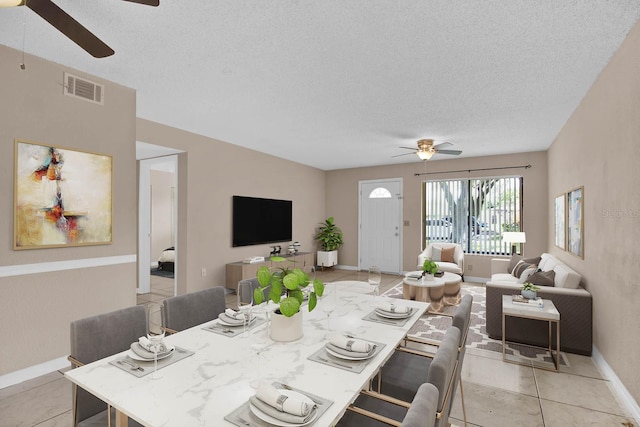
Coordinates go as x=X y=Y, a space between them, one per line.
x=469 y=267
x=406 y=222
x=204 y=271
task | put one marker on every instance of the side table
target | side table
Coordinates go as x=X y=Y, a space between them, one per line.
x=548 y=312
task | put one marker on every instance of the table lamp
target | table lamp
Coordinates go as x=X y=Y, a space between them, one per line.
x=514 y=237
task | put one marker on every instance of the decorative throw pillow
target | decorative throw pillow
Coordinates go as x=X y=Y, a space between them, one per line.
x=521 y=267
x=543 y=278
x=447 y=255
x=515 y=259
x=436 y=254
x=527 y=273
x=535 y=260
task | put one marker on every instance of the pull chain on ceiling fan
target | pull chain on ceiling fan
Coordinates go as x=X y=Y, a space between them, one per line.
x=68 y=26
x=426 y=149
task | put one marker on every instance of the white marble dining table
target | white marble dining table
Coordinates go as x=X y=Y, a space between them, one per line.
x=200 y=390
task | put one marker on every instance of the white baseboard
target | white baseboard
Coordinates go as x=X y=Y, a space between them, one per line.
x=17 y=377
x=619 y=389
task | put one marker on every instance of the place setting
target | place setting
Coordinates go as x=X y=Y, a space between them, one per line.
x=390 y=313
x=277 y=404
x=151 y=352
x=232 y=323
x=347 y=352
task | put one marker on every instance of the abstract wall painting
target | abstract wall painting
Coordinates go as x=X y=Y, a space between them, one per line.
x=575 y=225
x=560 y=215
x=62 y=197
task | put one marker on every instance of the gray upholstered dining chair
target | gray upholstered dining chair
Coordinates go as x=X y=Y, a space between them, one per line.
x=441 y=373
x=405 y=371
x=185 y=311
x=421 y=413
x=94 y=338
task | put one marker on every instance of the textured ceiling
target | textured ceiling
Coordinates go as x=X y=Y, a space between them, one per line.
x=343 y=83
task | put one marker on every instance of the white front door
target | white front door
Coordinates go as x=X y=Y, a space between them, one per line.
x=380 y=240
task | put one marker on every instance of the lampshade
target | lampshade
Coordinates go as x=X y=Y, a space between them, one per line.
x=514 y=237
x=10 y=3
x=424 y=155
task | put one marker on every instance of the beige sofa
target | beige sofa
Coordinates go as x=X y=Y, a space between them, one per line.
x=572 y=301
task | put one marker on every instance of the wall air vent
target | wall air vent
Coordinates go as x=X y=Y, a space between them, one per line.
x=83 y=89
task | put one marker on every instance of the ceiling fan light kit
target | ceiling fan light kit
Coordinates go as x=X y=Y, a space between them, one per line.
x=11 y=3
x=426 y=149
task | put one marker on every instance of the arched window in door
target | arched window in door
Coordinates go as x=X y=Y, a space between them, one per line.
x=380 y=193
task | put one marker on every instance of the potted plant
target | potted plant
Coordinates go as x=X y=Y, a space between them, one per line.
x=529 y=290
x=288 y=288
x=429 y=268
x=329 y=236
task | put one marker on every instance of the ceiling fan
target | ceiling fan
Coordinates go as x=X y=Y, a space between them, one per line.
x=69 y=26
x=426 y=149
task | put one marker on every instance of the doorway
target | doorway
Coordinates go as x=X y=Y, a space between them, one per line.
x=151 y=159
x=380 y=217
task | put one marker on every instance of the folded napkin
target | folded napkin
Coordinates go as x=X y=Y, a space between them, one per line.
x=146 y=344
x=392 y=308
x=237 y=315
x=352 y=345
x=235 y=320
x=285 y=405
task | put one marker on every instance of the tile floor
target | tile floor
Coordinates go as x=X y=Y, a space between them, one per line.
x=496 y=393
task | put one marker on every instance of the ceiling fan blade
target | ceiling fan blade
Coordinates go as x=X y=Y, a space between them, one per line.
x=409 y=148
x=442 y=145
x=452 y=152
x=406 y=154
x=146 y=2
x=70 y=27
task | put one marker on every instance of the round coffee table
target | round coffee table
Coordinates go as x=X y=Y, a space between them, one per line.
x=424 y=290
x=440 y=291
x=451 y=288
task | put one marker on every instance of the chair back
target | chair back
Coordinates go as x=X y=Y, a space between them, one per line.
x=462 y=318
x=442 y=373
x=96 y=337
x=189 y=310
x=423 y=409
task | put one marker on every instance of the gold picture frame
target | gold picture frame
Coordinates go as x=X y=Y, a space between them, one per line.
x=560 y=221
x=575 y=221
x=62 y=197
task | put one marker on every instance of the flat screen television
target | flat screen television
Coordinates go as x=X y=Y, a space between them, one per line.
x=257 y=221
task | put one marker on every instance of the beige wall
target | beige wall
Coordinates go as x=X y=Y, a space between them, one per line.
x=210 y=173
x=36 y=308
x=342 y=201
x=599 y=149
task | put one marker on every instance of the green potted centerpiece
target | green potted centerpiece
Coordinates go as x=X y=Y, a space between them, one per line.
x=529 y=290
x=429 y=268
x=329 y=236
x=288 y=288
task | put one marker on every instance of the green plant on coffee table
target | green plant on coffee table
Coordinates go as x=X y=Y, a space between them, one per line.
x=527 y=286
x=287 y=288
x=429 y=267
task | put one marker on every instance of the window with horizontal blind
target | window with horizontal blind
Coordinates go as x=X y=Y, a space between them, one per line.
x=472 y=212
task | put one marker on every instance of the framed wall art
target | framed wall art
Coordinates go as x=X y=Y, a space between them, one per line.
x=559 y=222
x=62 y=197
x=575 y=222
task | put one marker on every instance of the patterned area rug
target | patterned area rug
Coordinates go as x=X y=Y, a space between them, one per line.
x=162 y=273
x=433 y=327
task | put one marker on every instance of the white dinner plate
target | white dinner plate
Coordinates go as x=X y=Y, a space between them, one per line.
x=390 y=315
x=345 y=357
x=132 y=354
x=276 y=422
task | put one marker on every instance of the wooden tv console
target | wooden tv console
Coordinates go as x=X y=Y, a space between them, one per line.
x=237 y=271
